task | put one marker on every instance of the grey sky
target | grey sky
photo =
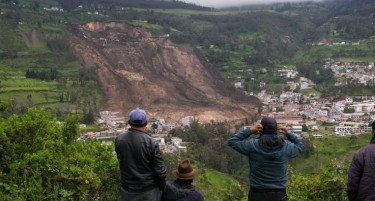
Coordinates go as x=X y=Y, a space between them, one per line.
x=223 y=3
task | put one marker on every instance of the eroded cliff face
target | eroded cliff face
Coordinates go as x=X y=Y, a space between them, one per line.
x=137 y=69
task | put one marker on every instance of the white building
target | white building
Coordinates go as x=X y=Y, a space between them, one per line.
x=351 y=128
x=177 y=143
x=186 y=121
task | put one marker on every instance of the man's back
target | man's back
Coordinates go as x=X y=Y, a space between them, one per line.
x=141 y=164
x=361 y=178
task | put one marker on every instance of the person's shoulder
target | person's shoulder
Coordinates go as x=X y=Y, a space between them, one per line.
x=367 y=148
x=198 y=196
x=120 y=136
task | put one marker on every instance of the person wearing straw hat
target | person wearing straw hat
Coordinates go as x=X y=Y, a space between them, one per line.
x=182 y=189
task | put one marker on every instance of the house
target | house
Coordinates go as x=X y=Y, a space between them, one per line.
x=170 y=126
x=160 y=141
x=351 y=128
x=238 y=85
x=176 y=142
x=295 y=129
x=186 y=121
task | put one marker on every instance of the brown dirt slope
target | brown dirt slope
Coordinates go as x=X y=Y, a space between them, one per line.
x=137 y=69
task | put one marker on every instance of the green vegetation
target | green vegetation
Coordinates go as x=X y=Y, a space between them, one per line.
x=215 y=185
x=40 y=159
x=154 y=28
x=327 y=148
x=309 y=91
x=357 y=59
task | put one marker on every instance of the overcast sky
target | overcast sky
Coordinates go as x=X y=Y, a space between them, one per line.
x=223 y=3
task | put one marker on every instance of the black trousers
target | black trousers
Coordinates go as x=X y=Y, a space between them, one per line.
x=267 y=195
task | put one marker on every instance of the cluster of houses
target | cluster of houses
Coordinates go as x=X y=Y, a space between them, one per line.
x=356 y=73
x=111 y=125
x=295 y=110
x=351 y=115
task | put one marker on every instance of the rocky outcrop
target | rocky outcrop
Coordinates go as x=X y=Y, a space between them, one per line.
x=138 y=69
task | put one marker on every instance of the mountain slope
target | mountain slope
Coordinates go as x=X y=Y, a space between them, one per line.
x=137 y=69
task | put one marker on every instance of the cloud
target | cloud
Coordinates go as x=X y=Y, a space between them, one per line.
x=224 y=3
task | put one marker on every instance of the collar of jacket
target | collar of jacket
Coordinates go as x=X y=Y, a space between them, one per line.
x=139 y=130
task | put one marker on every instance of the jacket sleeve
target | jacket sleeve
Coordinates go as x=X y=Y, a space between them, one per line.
x=159 y=167
x=238 y=142
x=296 y=147
x=354 y=177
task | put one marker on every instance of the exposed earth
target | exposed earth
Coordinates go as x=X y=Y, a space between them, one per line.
x=137 y=69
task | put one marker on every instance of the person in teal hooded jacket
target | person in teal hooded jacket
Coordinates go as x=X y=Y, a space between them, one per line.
x=268 y=158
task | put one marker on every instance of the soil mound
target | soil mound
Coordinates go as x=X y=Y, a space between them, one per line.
x=137 y=69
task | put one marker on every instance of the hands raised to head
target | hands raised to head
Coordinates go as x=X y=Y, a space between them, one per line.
x=283 y=130
x=256 y=129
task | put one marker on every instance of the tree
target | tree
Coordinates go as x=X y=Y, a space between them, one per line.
x=70 y=129
x=304 y=128
x=29 y=100
x=349 y=110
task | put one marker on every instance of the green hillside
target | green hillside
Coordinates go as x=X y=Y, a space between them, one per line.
x=37 y=68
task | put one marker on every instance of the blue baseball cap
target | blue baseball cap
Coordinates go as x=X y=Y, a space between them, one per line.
x=137 y=117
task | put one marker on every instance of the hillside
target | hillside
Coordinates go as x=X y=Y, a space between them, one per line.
x=137 y=69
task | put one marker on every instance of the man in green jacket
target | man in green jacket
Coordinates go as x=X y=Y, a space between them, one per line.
x=268 y=158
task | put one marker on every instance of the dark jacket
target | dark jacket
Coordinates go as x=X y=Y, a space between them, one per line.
x=177 y=191
x=361 y=177
x=141 y=164
x=268 y=157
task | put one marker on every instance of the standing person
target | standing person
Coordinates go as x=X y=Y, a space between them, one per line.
x=142 y=167
x=182 y=189
x=361 y=177
x=268 y=158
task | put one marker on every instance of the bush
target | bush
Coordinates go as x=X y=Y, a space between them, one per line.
x=40 y=160
x=329 y=185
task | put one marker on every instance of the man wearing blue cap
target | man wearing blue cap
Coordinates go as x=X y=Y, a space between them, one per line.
x=143 y=174
x=268 y=158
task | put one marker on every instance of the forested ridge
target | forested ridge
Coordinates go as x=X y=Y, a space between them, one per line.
x=71 y=4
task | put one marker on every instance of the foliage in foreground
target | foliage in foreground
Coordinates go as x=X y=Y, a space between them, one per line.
x=40 y=160
x=328 y=185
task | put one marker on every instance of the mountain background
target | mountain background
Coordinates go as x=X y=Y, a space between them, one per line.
x=173 y=59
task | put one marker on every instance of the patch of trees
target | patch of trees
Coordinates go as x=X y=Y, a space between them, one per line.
x=46 y=75
x=58 y=45
x=316 y=73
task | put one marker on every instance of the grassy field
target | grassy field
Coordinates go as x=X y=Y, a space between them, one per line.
x=215 y=186
x=309 y=91
x=20 y=84
x=357 y=59
x=327 y=149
